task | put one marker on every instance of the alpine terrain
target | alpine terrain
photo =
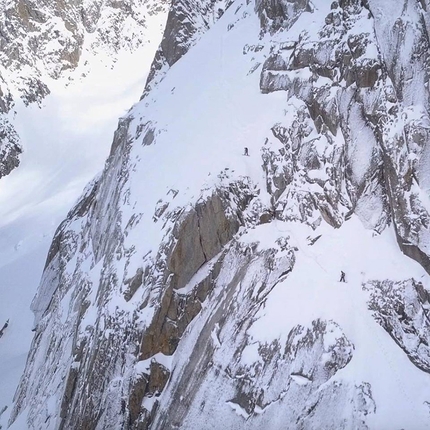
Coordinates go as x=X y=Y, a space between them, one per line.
x=255 y=253
x=67 y=71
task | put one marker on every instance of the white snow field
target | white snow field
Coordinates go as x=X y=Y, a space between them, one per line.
x=66 y=143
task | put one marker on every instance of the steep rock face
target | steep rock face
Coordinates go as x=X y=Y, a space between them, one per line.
x=402 y=309
x=9 y=147
x=279 y=14
x=150 y=302
x=333 y=72
x=352 y=84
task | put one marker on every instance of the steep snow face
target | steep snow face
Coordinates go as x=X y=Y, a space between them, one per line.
x=186 y=22
x=195 y=287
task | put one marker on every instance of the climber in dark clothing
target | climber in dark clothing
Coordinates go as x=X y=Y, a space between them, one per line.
x=246 y=151
x=342 y=276
x=4 y=328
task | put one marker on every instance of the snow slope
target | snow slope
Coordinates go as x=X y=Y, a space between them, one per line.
x=314 y=290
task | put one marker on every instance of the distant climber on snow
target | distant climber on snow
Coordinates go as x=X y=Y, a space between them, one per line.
x=4 y=328
x=342 y=276
x=246 y=151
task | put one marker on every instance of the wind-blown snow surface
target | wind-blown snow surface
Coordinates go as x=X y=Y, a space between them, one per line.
x=66 y=142
x=193 y=287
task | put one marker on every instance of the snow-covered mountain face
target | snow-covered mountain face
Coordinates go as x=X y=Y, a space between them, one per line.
x=41 y=42
x=195 y=287
x=65 y=140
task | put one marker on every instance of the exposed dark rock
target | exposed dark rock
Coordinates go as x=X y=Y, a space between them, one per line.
x=5 y=326
x=10 y=148
x=274 y=81
x=133 y=284
x=202 y=232
x=69 y=390
x=150 y=385
x=280 y=14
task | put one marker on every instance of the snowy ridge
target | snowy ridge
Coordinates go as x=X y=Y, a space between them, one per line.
x=195 y=287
